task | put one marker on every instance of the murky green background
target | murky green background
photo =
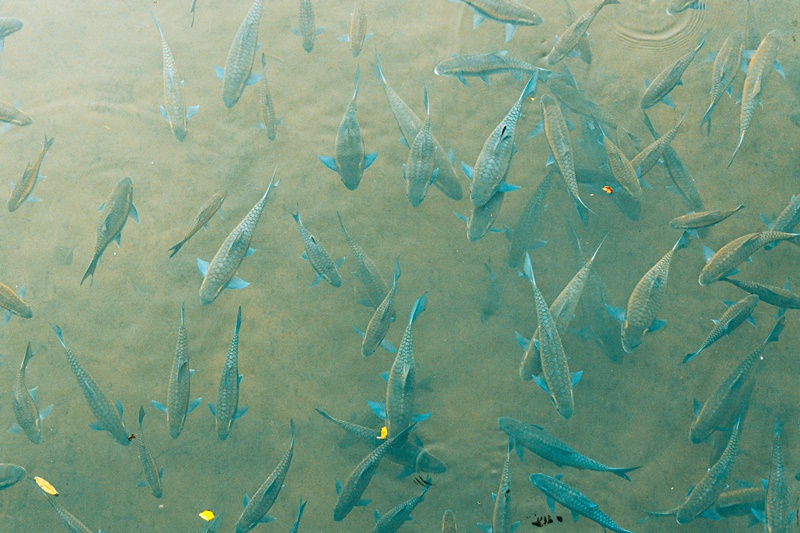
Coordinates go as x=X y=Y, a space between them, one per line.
x=90 y=74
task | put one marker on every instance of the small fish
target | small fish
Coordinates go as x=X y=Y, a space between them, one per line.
x=29 y=179
x=358 y=28
x=350 y=159
x=649 y=156
x=703 y=219
x=761 y=64
x=375 y=334
x=12 y=114
x=523 y=235
x=567 y=41
x=115 y=213
x=556 y=490
x=397 y=516
x=726 y=65
x=179 y=402
x=202 y=218
x=72 y=524
x=375 y=288
x=268 y=121
x=237 y=73
x=109 y=417
x=316 y=254
x=296 y=524
x=484 y=65
x=449 y=524
x=227 y=409
x=507 y=12
x=11 y=474
x=175 y=112
x=419 y=171
x=644 y=303
x=257 y=507
x=307 y=31
x=13 y=303
x=668 y=79
x=8 y=25
x=219 y=274
x=782 y=298
x=26 y=410
x=679 y=6
x=501 y=517
x=491 y=301
x=733 y=317
x=726 y=259
x=152 y=473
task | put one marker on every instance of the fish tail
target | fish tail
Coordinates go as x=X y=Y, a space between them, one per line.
x=90 y=270
x=623 y=472
x=707 y=118
x=296 y=214
x=379 y=68
x=776 y=331
x=175 y=248
x=419 y=306
x=28 y=356
x=741 y=138
x=682 y=243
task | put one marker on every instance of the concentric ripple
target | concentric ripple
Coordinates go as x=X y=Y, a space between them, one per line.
x=646 y=24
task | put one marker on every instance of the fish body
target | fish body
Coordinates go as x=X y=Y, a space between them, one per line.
x=777 y=515
x=116 y=211
x=726 y=65
x=14 y=115
x=668 y=78
x=8 y=25
x=152 y=473
x=219 y=273
x=508 y=12
x=26 y=411
x=239 y=64
x=779 y=297
x=25 y=186
x=495 y=156
x=419 y=171
x=14 y=303
x=296 y=524
x=483 y=65
x=491 y=302
x=268 y=120
x=623 y=170
x=703 y=219
x=555 y=128
x=375 y=287
x=11 y=474
x=378 y=326
x=682 y=179
x=358 y=27
x=69 y=521
x=410 y=124
x=568 y=40
x=317 y=255
x=449 y=524
x=522 y=237
x=227 y=409
x=109 y=417
x=732 y=318
x=481 y=219
x=307 y=31
x=397 y=516
x=573 y=499
x=208 y=210
x=737 y=251
x=786 y=220
x=256 y=508
x=501 y=516
x=576 y=100
x=648 y=157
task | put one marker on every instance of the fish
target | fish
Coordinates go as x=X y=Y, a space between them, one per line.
x=481 y=219
x=237 y=73
x=786 y=220
x=668 y=79
x=256 y=508
x=717 y=408
x=495 y=156
x=26 y=410
x=623 y=170
x=201 y=220
x=268 y=121
x=152 y=473
x=375 y=288
x=307 y=31
x=679 y=6
x=576 y=100
x=13 y=303
x=378 y=326
x=72 y=524
x=761 y=64
x=645 y=160
x=501 y=517
x=491 y=301
x=179 y=401
x=24 y=189
x=296 y=524
x=556 y=490
x=109 y=416
x=115 y=213
x=734 y=502
x=316 y=254
x=12 y=114
x=702 y=219
x=410 y=124
x=411 y=455
x=398 y=411
x=549 y=448
x=727 y=258
x=484 y=65
x=583 y=47
x=11 y=474
x=523 y=235
x=557 y=381
x=227 y=409
x=726 y=65
x=419 y=171
x=507 y=12
x=358 y=28
x=776 y=516
x=449 y=524
x=397 y=516
x=349 y=494
x=350 y=159
x=8 y=25
x=644 y=303
x=219 y=274
x=175 y=112
x=567 y=41
x=680 y=176
x=782 y=298
x=733 y=317
x=703 y=495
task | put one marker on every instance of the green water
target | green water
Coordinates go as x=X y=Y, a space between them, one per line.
x=90 y=74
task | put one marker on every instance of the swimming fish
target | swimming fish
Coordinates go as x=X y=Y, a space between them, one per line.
x=316 y=254
x=72 y=524
x=419 y=171
x=237 y=73
x=449 y=522
x=350 y=159
x=491 y=302
x=296 y=524
x=727 y=258
x=29 y=179
x=732 y=318
x=776 y=516
x=219 y=274
x=152 y=473
x=726 y=65
x=268 y=121
x=508 y=12
x=481 y=219
x=649 y=156
x=358 y=28
x=785 y=221
x=501 y=517
x=523 y=234
x=704 y=219
x=26 y=410
x=567 y=41
x=13 y=303
x=8 y=25
x=11 y=474
x=375 y=334
x=307 y=31
x=484 y=65
x=12 y=114
x=782 y=298
x=398 y=515
x=227 y=409
x=668 y=79
x=115 y=213
x=375 y=288
x=209 y=209
x=623 y=170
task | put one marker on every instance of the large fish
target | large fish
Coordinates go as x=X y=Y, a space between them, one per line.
x=419 y=171
x=732 y=318
x=782 y=298
x=152 y=473
x=115 y=213
x=727 y=258
x=237 y=73
x=398 y=515
x=24 y=189
x=8 y=25
x=703 y=219
x=109 y=417
x=202 y=218
x=501 y=517
x=26 y=410
x=726 y=65
x=623 y=170
x=484 y=65
x=481 y=219
x=316 y=254
x=219 y=273
x=227 y=409
x=584 y=46
x=350 y=159
x=508 y=12
x=567 y=41
x=667 y=79
x=175 y=112
x=307 y=31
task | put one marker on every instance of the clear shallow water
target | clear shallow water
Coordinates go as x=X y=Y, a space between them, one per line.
x=90 y=75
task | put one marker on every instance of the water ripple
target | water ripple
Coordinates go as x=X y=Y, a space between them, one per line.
x=646 y=24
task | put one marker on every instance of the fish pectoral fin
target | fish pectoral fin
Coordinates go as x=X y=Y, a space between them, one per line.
x=378 y=408
x=316 y=281
x=97 y=426
x=191 y=111
x=253 y=78
x=420 y=417
x=388 y=346
x=295 y=31
x=236 y=283
x=539 y=380
x=250 y=251
x=369 y=159
x=468 y=170
x=487 y=528
x=656 y=325
x=385 y=376
x=507 y=187
x=617 y=313
x=240 y=412
x=575 y=515
x=46 y=411
x=118 y=405
x=193 y=405
x=329 y=162
x=510 y=28
x=220 y=72
x=575 y=377
x=667 y=101
x=118 y=239
x=212 y=408
x=142 y=484
x=15 y=428
x=266 y=519
x=164 y=113
x=134 y=214
x=159 y=406
x=363 y=503
x=711 y=514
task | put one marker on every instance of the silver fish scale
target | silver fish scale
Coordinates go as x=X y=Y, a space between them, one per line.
x=400 y=387
x=757 y=72
x=173 y=89
x=318 y=256
x=349 y=149
x=623 y=170
x=379 y=323
x=358 y=27
x=737 y=251
x=72 y=524
x=148 y=461
x=420 y=165
x=228 y=394
x=267 y=108
x=777 y=500
x=26 y=411
x=241 y=55
x=396 y=517
x=732 y=318
x=767 y=293
x=501 y=517
x=178 y=390
x=572 y=35
x=668 y=78
x=482 y=65
x=726 y=65
x=508 y=11
x=645 y=302
x=261 y=502
x=555 y=128
x=372 y=281
x=307 y=27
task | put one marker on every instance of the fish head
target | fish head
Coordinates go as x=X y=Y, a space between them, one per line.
x=631 y=337
x=684 y=516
